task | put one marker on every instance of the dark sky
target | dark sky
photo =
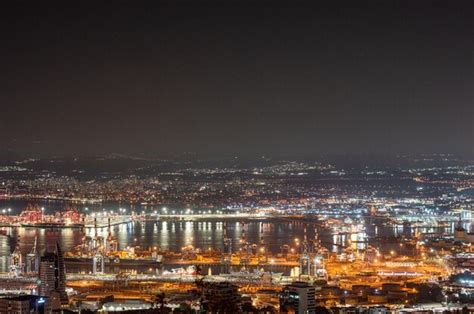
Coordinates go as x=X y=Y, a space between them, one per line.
x=230 y=77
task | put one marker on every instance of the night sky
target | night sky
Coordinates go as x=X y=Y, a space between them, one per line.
x=235 y=77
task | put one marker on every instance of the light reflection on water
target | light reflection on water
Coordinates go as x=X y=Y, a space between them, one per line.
x=173 y=235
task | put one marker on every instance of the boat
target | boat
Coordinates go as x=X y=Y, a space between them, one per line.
x=33 y=217
x=53 y=225
x=190 y=270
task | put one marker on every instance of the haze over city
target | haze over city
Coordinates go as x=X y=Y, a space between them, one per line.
x=237 y=77
x=237 y=157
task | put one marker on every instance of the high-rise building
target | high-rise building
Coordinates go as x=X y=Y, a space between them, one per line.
x=48 y=273
x=61 y=275
x=298 y=297
x=52 y=276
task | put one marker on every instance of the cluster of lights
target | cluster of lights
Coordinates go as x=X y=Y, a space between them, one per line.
x=5 y=210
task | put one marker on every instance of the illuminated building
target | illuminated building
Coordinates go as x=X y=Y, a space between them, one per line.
x=23 y=304
x=52 y=277
x=298 y=297
x=48 y=274
x=130 y=305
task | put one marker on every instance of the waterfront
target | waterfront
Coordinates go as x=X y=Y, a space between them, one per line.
x=204 y=234
x=336 y=245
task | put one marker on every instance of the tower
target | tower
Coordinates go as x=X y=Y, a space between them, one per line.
x=48 y=273
x=227 y=249
x=33 y=259
x=52 y=276
x=305 y=265
x=61 y=274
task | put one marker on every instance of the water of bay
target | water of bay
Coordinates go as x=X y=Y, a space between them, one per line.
x=168 y=235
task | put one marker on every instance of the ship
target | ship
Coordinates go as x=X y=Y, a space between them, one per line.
x=190 y=270
x=33 y=216
x=114 y=261
x=245 y=275
x=95 y=249
x=52 y=225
